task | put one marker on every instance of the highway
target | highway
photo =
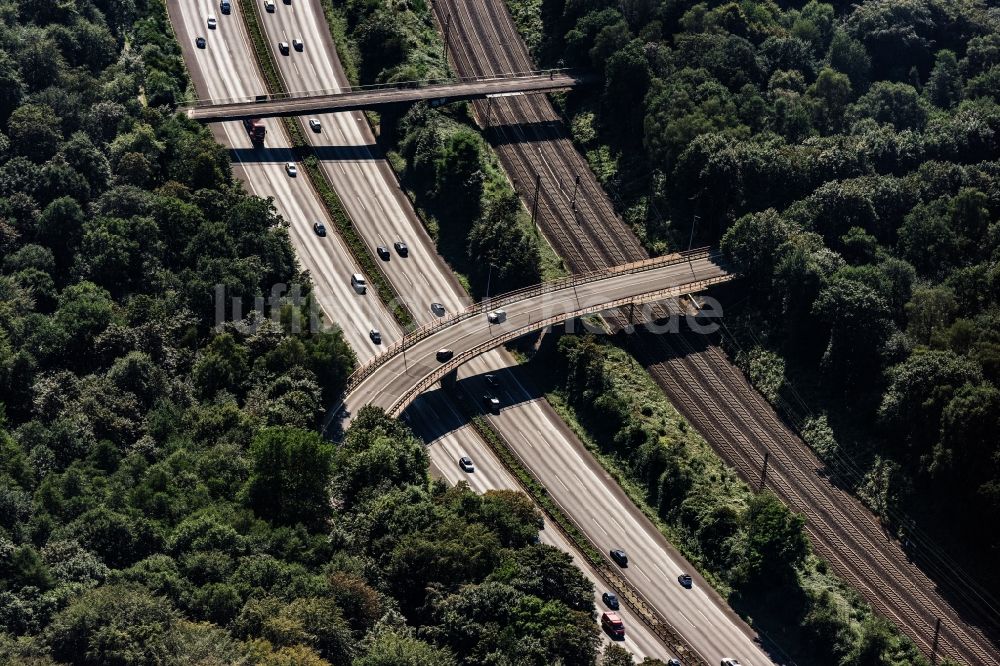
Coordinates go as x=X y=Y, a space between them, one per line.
x=381 y=212
x=326 y=101
x=374 y=201
x=358 y=172
x=393 y=379
x=225 y=69
x=916 y=588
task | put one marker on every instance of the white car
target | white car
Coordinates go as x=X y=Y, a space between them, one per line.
x=729 y=661
x=269 y=6
x=315 y=125
x=212 y=23
x=497 y=316
x=291 y=169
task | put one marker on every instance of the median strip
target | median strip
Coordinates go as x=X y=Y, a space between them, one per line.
x=334 y=206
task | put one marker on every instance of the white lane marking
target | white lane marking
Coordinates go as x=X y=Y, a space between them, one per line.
x=601 y=526
x=643 y=574
x=662 y=572
x=687 y=618
x=528 y=442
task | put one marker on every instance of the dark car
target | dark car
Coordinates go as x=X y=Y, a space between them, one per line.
x=401 y=248
x=610 y=600
x=619 y=556
x=491 y=403
x=200 y=42
x=444 y=355
x=465 y=462
x=383 y=252
x=319 y=228
x=375 y=335
x=283 y=48
x=437 y=309
x=685 y=580
x=673 y=662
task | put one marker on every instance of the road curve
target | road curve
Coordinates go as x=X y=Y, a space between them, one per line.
x=399 y=374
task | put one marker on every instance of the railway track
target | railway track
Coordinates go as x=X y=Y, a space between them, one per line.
x=580 y=222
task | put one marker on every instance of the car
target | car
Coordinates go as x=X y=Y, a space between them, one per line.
x=200 y=42
x=383 y=253
x=438 y=309
x=359 y=284
x=673 y=662
x=444 y=355
x=491 y=403
x=269 y=6
x=297 y=44
x=497 y=316
x=730 y=661
x=685 y=580
x=225 y=7
x=287 y=2
x=319 y=228
x=315 y=125
x=212 y=23
x=610 y=600
x=613 y=624
x=283 y=47
x=401 y=248
x=291 y=169
x=619 y=556
x=465 y=462
x=375 y=335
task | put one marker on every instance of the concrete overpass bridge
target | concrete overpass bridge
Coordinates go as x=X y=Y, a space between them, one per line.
x=377 y=96
x=407 y=368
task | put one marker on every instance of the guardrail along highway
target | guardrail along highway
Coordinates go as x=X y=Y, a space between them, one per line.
x=374 y=97
x=395 y=377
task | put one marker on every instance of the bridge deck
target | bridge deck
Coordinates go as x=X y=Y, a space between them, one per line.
x=297 y=104
x=393 y=379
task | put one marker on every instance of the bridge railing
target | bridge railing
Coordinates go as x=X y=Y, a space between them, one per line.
x=480 y=308
x=373 y=87
x=428 y=380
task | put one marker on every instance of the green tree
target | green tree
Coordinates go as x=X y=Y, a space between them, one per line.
x=832 y=90
x=776 y=543
x=290 y=478
x=34 y=131
x=397 y=647
x=114 y=625
x=944 y=87
x=499 y=239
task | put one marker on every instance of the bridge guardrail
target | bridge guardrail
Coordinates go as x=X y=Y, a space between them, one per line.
x=395 y=85
x=401 y=403
x=481 y=307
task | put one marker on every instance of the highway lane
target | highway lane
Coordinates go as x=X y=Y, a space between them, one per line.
x=426 y=416
x=563 y=465
x=223 y=69
x=357 y=169
x=424 y=277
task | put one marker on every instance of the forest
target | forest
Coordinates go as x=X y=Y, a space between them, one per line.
x=846 y=156
x=165 y=496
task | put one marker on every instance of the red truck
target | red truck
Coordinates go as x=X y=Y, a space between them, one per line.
x=612 y=623
x=255 y=130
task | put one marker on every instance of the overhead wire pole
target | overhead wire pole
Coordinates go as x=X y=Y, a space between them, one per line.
x=534 y=206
